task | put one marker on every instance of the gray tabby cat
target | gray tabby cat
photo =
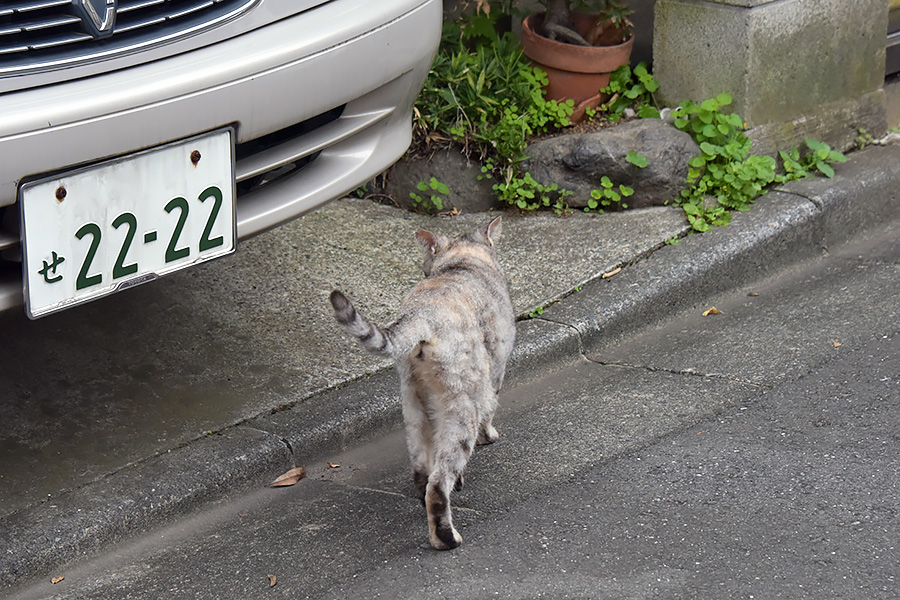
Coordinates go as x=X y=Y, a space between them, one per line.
x=450 y=342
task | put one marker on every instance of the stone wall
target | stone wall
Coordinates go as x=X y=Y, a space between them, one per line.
x=796 y=68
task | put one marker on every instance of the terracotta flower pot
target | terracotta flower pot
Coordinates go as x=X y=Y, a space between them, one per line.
x=575 y=72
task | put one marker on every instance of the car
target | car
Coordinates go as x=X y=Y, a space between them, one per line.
x=139 y=137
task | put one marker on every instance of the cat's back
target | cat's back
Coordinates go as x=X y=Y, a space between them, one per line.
x=468 y=284
x=463 y=306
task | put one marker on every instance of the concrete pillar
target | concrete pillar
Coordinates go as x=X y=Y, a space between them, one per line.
x=796 y=68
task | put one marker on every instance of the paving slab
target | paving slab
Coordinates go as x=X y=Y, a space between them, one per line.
x=92 y=390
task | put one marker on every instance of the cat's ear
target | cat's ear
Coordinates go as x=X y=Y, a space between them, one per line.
x=492 y=231
x=427 y=240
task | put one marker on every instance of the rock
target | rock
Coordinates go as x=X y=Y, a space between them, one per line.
x=577 y=162
x=449 y=166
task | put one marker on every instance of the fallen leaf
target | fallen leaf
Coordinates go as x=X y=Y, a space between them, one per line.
x=272 y=580
x=712 y=311
x=836 y=344
x=289 y=478
x=753 y=294
x=611 y=273
x=56 y=580
x=333 y=466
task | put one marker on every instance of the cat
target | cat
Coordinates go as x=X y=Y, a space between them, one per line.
x=450 y=342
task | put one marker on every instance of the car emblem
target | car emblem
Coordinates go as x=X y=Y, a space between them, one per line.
x=97 y=16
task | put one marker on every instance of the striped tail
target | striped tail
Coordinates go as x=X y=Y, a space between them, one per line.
x=372 y=338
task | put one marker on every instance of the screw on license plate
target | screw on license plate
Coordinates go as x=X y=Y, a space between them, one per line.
x=61 y=193
x=195 y=157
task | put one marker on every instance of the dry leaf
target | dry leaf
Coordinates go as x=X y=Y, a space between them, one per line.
x=289 y=478
x=611 y=273
x=333 y=466
x=836 y=344
x=56 y=580
x=272 y=580
x=712 y=311
x=753 y=294
x=433 y=136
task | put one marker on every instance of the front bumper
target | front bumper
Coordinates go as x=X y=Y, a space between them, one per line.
x=353 y=84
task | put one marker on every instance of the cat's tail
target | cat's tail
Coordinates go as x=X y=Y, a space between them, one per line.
x=373 y=338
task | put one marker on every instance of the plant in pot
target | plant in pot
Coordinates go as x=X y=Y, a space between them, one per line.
x=578 y=43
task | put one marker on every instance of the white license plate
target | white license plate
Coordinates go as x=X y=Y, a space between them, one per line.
x=110 y=226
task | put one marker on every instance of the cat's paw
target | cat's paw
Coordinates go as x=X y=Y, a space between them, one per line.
x=445 y=539
x=487 y=435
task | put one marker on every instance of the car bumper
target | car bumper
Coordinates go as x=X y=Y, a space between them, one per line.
x=362 y=77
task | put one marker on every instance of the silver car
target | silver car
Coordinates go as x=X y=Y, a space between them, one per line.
x=138 y=137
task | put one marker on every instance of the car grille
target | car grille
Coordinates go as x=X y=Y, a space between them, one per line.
x=37 y=35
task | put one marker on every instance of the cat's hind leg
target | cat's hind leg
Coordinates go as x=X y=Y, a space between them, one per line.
x=487 y=434
x=455 y=441
x=419 y=434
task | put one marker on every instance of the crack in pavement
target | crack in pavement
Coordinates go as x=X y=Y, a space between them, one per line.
x=686 y=372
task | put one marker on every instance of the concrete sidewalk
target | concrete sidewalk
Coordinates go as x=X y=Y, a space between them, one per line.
x=347 y=397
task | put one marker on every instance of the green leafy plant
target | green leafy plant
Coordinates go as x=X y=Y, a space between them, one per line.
x=864 y=139
x=361 y=191
x=822 y=157
x=536 y=312
x=819 y=159
x=726 y=177
x=527 y=193
x=637 y=159
x=433 y=201
x=483 y=93
x=607 y=195
x=630 y=89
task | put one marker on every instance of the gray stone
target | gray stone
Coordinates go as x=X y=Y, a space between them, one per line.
x=449 y=166
x=578 y=162
x=815 y=66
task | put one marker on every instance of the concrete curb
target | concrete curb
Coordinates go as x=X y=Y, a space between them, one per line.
x=791 y=224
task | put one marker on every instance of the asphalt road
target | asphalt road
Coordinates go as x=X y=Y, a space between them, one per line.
x=747 y=454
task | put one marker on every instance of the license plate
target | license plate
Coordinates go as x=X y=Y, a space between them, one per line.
x=110 y=226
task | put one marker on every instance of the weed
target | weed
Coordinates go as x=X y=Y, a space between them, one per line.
x=527 y=193
x=724 y=170
x=726 y=177
x=433 y=202
x=819 y=158
x=536 y=312
x=484 y=93
x=630 y=88
x=361 y=192
x=608 y=194
x=637 y=159
x=864 y=139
